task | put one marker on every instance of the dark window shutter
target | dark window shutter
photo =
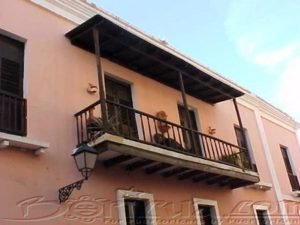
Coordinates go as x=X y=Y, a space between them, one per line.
x=11 y=66
x=10 y=77
x=12 y=103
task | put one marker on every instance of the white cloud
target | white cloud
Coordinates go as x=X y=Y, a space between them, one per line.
x=289 y=91
x=266 y=37
x=276 y=57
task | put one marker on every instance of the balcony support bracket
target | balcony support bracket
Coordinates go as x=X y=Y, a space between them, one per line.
x=65 y=192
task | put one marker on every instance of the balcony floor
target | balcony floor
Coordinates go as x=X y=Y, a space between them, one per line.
x=132 y=155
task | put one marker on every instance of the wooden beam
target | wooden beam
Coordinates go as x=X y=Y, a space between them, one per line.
x=116 y=160
x=216 y=179
x=188 y=174
x=100 y=79
x=216 y=99
x=185 y=104
x=164 y=73
x=175 y=171
x=139 y=164
x=204 y=177
x=240 y=183
x=156 y=168
x=119 y=51
x=225 y=182
x=155 y=58
x=243 y=130
x=151 y=66
x=142 y=153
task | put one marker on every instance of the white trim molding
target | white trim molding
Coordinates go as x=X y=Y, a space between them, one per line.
x=262 y=186
x=269 y=111
x=296 y=194
x=271 y=165
x=212 y=203
x=261 y=207
x=23 y=143
x=148 y=198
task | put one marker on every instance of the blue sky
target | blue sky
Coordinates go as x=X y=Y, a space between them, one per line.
x=253 y=43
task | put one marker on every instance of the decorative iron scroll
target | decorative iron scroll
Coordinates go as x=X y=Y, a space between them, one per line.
x=65 y=192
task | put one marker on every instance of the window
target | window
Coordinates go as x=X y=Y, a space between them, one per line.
x=12 y=104
x=262 y=215
x=119 y=113
x=292 y=176
x=187 y=138
x=136 y=208
x=206 y=212
x=245 y=143
x=11 y=66
x=135 y=212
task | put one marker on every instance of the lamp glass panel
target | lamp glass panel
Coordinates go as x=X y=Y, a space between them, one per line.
x=80 y=161
x=90 y=160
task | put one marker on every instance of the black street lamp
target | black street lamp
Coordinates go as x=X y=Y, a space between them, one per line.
x=85 y=158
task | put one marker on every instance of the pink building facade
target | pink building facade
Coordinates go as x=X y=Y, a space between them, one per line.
x=176 y=142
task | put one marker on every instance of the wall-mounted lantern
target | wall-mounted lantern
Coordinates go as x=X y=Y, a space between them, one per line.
x=212 y=131
x=92 y=89
x=85 y=158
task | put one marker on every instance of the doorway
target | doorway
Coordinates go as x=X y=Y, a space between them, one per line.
x=120 y=112
x=189 y=137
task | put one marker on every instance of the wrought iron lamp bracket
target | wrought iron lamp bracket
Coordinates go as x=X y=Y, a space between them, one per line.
x=65 y=192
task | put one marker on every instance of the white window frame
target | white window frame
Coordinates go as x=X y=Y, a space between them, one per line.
x=261 y=207
x=149 y=205
x=212 y=203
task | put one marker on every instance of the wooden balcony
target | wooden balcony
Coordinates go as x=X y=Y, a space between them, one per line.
x=12 y=114
x=136 y=140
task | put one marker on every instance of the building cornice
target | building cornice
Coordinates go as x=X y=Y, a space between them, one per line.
x=269 y=111
x=78 y=11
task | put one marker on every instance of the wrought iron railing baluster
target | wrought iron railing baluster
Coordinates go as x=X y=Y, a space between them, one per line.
x=174 y=137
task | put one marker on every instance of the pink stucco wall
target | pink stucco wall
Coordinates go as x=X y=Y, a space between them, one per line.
x=277 y=136
x=56 y=77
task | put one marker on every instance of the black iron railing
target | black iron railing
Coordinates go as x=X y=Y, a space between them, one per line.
x=294 y=182
x=143 y=127
x=12 y=114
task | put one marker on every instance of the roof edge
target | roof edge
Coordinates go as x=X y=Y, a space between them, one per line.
x=269 y=111
x=78 y=11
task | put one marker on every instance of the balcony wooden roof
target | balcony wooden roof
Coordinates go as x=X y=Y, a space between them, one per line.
x=125 y=48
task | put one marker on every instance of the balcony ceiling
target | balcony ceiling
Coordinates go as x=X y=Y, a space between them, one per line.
x=125 y=48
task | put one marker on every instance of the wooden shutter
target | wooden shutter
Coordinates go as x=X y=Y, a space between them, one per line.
x=11 y=66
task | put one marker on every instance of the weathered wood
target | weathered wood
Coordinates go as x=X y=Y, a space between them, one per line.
x=180 y=162
x=174 y=172
x=12 y=114
x=204 y=177
x=226 y=182
x=186 y=109
x=188 y=175
x=239 y=183
x=156 y=168
x=100 y=78
x=138 y=164
x=242 y=129
x=116 y=160
x=175 y=68
x=216 y=179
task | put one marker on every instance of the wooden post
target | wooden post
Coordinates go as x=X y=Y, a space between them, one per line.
x=103 y=107
x=184 y=100
x=242 y=129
